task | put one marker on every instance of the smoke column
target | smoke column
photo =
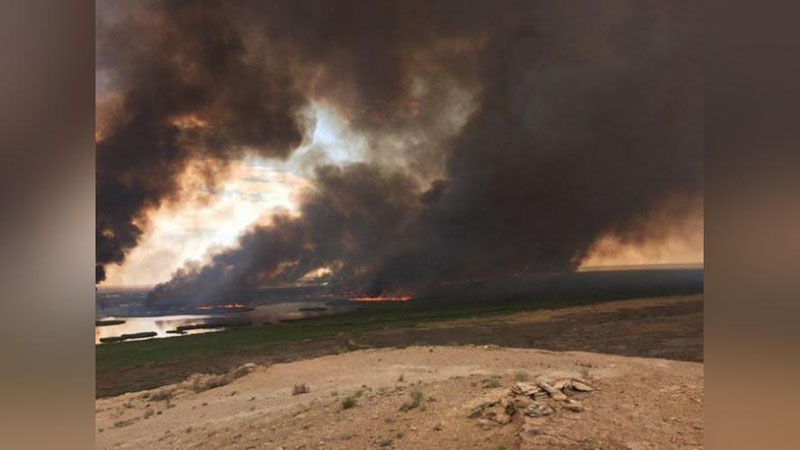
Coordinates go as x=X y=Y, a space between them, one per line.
x=583 y=120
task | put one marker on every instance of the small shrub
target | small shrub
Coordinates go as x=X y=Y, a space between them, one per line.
x=300 y=389
x=492 y=383
x=349 y=402
x=521 y=376
x=416 y=398
x=162 y=395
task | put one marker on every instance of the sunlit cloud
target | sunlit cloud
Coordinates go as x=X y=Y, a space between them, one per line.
x=678 y=243
x=190 y=229
x=204 y=220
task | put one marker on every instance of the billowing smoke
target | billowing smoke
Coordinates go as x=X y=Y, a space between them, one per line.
x=582 y=119
x=190 y=88
x=350 y=221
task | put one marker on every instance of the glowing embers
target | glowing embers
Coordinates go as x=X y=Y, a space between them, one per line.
x=381 y=298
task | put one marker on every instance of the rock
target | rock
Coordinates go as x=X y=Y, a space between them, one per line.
x=243 y=370
x=525 y=388
x=438 y=427
x=554 y=393
x=574 y=406
x=562 y=384
x=538 y=409
x=475 y=413
x=502 y=418
x=485 y=424
x=522 y=402
x=509 y=407
x=580 y=386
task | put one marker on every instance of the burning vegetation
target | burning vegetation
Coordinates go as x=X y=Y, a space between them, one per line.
x=382 y=298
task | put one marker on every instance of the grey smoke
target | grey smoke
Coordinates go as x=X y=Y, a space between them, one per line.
x=588 y=117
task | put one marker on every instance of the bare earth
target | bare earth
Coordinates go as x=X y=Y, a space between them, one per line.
x=637 y=403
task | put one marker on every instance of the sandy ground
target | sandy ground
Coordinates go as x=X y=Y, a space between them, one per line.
x=638 y=403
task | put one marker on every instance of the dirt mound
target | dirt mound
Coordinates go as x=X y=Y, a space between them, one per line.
x=424 y=397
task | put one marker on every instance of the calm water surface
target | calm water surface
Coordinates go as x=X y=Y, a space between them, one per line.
x=260 y=315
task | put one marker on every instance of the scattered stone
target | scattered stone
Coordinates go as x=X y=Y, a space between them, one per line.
x=511 y=409
x=522 y=402
x=438 y=427
x=243 y=370
x=538 y=409
x=555 y=394
x=475 y=412
x=525 y=388
x=574 y=406
x=502 y=418
x=581 y=386
x=562 y=384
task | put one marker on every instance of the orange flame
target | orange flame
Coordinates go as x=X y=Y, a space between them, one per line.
x=226 y=306
x=397 y=298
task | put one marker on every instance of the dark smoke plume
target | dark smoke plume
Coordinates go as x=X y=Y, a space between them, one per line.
x=191 y=89
x=586 y=118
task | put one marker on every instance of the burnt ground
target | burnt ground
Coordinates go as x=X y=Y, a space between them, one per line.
x=632 y=328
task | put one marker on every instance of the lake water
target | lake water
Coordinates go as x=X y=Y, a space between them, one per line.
x=260 y=315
